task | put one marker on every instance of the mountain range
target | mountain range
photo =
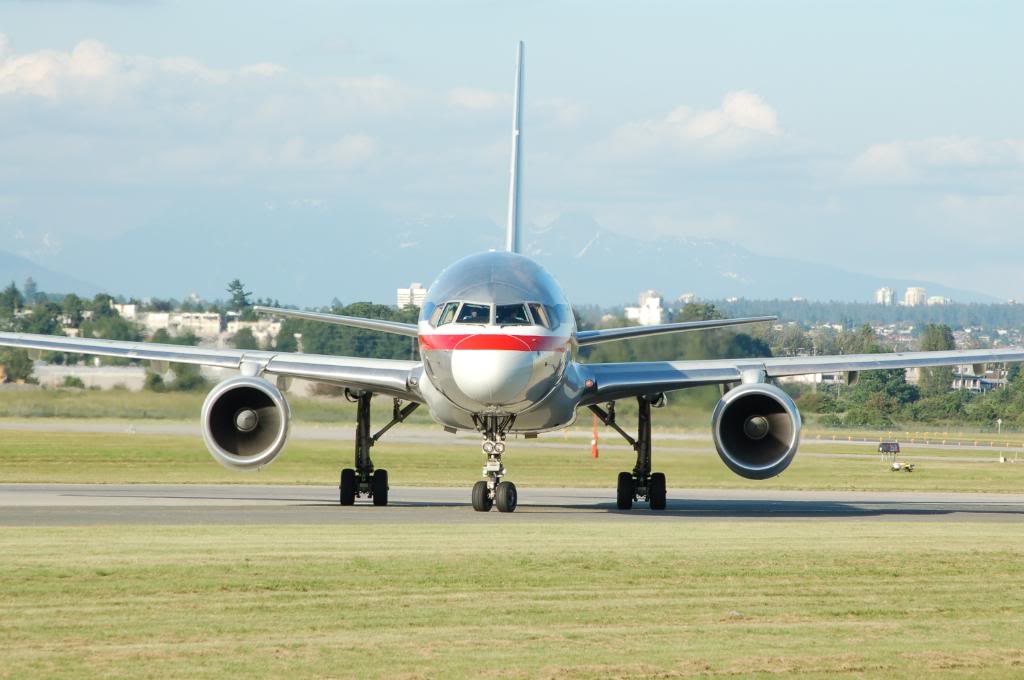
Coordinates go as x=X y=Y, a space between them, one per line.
x=306 y=253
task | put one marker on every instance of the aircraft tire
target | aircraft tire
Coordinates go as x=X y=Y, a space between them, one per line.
x=347 y=488
x=379 y=484
x=481 y=499
x=506 y=497
x=656 y=490
x=624 y=491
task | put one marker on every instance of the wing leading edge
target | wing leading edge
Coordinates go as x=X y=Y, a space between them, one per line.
x=396 y=327
x=386 y=376
x=629 y=332
x=621 y=380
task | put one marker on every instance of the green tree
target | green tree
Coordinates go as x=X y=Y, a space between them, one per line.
x=102 y=307
x=11 y=300
x=72 y=306
x=936 y=381
x=240 y=300
x=244 y=339
x=31 y=290
x=17 y=364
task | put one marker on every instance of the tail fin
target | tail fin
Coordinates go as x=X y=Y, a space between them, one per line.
x=512 y=229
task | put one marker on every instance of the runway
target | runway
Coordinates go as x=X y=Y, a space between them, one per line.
x=83 y=504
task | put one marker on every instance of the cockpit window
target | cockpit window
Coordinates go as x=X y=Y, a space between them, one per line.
x=446 y=314
x=511 y=315
x=540 y=316
x=471 y=313
x=553 y=316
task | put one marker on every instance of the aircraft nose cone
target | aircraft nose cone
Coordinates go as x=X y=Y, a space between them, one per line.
x=493 y=377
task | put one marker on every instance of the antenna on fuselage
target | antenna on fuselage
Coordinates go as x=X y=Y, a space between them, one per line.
x=512 y=228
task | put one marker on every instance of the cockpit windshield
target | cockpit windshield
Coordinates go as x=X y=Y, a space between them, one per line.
x=446 y=314
x=540 y=315
x=477 y=314
x=511 y=315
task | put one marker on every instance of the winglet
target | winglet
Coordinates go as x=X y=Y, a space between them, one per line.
x=512 y=228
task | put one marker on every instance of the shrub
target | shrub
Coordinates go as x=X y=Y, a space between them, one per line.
x=73 y=381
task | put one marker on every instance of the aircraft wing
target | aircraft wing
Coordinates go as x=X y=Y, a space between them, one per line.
x=396 y=327
x=386 y=376
x=629 y=332
x=621 y=380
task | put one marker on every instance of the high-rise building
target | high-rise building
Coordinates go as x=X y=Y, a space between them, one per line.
x=885 y=296
x=937 y=300
x=650 y=312
x=914 y=296
x=414 y=295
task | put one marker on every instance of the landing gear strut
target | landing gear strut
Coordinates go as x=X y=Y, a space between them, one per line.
x=364 y=480
x=492 y=491
x=641 y=484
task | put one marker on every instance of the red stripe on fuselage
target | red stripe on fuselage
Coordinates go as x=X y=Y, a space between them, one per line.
x=513 y=343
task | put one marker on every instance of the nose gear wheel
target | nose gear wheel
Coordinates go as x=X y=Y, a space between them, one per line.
x=492 y=490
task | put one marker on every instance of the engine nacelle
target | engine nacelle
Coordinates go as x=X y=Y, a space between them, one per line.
x=756 y=428
x=245 y=422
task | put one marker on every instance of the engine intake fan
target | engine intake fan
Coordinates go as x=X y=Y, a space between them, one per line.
x=245 y=423
x=756 y=428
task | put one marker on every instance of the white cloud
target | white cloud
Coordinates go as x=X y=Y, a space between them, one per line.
x=916 y=160
x=92 y=68
x=743 y=119
x=474 y=99
x=565 y=112
x=264 y=69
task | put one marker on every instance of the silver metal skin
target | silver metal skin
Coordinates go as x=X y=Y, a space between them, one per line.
x=486 y=368
x=396 y=327
x=756 y=429
x=515 y=173
x=245 y=423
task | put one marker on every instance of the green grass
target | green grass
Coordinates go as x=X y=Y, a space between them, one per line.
x=125 y=405
x=135 y=458
x=565 y=600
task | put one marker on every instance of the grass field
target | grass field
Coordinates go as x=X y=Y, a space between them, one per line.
x=741 y=599
x=144 y=458
x=668 y=597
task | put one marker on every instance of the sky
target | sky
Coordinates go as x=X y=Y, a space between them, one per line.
x=876 y=136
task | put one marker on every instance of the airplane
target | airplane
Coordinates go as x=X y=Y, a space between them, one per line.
x=498 y=344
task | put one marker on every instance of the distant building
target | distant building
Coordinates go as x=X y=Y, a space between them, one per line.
x=650 y=312
x=885 y=296
x=413 y=296
x=264 y=330
x=687 y=298
x=204 y=325
x=937 y=300
x=127 y=311
x=914 y=296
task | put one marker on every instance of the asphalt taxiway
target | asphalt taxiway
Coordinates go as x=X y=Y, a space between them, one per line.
x=92 y=504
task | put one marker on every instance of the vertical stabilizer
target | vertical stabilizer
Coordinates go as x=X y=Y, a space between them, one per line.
x=512 y=229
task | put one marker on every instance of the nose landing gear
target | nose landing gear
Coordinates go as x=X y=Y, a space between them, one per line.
x=492 y=491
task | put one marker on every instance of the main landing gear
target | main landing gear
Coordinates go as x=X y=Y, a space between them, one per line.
x=641 y=484
x=364 y=480
x=492 y=491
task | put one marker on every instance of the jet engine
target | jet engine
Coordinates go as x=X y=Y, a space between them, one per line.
x=245 y=422
x=756 y=428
